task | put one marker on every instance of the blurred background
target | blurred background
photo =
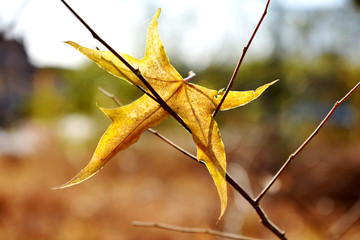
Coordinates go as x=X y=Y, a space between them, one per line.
x=50 y=125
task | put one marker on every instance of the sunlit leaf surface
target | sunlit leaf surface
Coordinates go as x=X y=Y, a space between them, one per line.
x=193 y=103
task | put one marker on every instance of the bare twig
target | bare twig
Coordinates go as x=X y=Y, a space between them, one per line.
x=117 y=102
x=345 y=222
x=155 y=96
x=264 y=219
x=293 y=155
x=231 y=82
x=137 y=72
x=256 y=203
x=191 y=230
x=110 y=95
x=151 y=130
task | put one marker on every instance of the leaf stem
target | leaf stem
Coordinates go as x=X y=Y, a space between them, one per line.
x=137 y=72
x=303 y=145
x=191 y=75
x=231 y=82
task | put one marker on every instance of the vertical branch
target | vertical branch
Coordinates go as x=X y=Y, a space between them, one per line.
x=231 y=82
x=137 y=72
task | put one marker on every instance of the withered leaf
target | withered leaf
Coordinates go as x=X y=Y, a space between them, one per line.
x=193 y=103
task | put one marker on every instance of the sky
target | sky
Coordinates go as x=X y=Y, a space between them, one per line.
x=198 y=32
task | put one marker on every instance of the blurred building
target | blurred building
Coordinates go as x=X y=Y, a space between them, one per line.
x=15 y=80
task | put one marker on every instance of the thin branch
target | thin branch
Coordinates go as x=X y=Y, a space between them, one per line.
x=151 y=130
x=191 y=230
x=345 y=222
x=260 y=212
x=266 y=222
x=110 y=95
x=264 y=219
x=231 y=82
x=254 y=203
x=174 y=145
x=137 y=72
x=293 y=155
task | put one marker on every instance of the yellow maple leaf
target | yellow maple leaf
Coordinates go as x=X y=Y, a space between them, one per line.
x=193 y=103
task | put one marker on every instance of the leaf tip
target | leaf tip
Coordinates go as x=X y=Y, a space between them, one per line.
x=85 y=174
x=277 y=80
x=109 y=112
x=104 y=110
x=156 y=16
x=73 y=44
x=223 y=207
x=158 y=12
x=62 y=186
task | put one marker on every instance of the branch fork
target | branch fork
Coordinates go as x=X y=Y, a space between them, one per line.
x=255 y=203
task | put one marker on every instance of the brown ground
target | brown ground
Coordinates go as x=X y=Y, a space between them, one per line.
x=152 y=182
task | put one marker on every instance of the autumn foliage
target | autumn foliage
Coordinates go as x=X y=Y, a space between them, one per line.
x=194 y=104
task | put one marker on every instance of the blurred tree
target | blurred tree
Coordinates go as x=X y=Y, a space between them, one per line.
x=46 y=101
x=80 y=88
x=356 y=3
